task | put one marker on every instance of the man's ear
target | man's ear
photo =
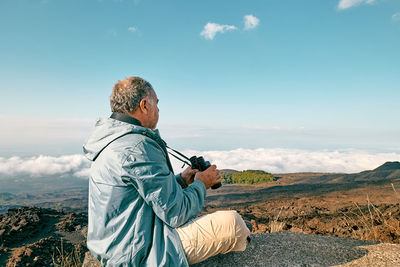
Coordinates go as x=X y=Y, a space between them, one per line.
x=144 y=105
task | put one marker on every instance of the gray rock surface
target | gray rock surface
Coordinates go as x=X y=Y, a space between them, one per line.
x=296 y=249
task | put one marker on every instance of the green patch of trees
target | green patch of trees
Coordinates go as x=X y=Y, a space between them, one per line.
x=247 y=177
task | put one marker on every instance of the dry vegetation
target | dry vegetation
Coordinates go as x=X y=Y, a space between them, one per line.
x=63 y=258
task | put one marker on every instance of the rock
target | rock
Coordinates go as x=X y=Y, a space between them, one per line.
x=296 y=249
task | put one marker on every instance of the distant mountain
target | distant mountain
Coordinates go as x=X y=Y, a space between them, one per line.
x=389 y=166
x=6 y=196
x=384 y=173
x=40 y=184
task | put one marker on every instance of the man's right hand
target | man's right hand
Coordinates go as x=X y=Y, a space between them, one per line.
x=209 y=177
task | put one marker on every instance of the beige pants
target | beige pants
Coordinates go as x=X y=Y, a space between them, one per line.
x=216 y=233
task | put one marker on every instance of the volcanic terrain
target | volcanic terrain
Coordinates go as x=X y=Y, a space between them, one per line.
x=363 y=206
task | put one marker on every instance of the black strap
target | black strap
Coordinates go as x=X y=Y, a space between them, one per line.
x=108 y=145
x=180 y=154
x=184 y=161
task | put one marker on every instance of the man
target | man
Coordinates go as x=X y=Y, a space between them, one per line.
x=140 y=213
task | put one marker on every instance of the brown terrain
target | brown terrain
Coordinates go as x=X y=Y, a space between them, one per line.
x=31 y=236
x=364 y=206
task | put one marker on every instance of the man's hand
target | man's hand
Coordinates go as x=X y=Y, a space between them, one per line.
x=209 y=177
x=188 y=175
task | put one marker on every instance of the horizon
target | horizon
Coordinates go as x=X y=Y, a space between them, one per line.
x=275 y=161
x=312 y=81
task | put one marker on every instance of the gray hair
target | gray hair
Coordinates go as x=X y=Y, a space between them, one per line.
x=127 y=94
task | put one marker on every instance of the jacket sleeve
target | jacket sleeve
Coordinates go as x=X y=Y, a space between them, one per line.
x=145 y=167
x=180 y=181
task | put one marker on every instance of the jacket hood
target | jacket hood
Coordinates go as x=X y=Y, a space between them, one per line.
x=107 y=130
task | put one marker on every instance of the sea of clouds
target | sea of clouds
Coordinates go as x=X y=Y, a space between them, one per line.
x=271 y=160
x=280 y=160
x=76 y=165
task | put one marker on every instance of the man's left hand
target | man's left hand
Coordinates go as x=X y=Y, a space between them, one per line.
x=188 y=175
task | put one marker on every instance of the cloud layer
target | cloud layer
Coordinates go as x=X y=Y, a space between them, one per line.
x=272 y=160
x=293 y=160
x=344 y=4
x=211 y=29
x=76 y=165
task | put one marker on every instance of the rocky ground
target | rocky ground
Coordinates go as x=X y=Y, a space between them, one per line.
x=364 y=206
x=41 y=237
x=296 y=249
x=45 y=237
x=310 y=215
x=378 y=223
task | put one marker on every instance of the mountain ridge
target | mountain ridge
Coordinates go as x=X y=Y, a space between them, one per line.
x=389 y=165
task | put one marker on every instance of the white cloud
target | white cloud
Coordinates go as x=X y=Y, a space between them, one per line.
x=250 y=22
x=396 y=16
x=292 y=160
x=275 y=160
x=344 y=4
x=76 y=165
x=211 y=29
x=132 y=29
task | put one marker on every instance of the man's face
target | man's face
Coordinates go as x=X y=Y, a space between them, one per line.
x=153 y=114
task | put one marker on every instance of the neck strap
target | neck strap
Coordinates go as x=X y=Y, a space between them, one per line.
x=186 y=160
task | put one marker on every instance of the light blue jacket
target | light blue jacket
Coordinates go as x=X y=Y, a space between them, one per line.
x=135 y=200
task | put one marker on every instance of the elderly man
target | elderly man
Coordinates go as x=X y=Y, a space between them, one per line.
x=140 y=213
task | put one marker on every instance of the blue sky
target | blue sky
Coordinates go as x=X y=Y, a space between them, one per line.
x=312 y=75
